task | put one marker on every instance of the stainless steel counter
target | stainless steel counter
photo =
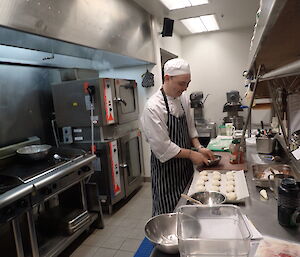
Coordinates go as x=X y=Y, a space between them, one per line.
x=262 y=213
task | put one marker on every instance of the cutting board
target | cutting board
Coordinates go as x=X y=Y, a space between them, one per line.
x=225 y=164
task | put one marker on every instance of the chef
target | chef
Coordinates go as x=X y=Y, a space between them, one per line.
x=169 y=128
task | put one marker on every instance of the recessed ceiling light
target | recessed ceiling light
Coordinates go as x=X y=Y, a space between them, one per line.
x=210 y=22
x=178 y=4
x=201 y=23
x=194 y=25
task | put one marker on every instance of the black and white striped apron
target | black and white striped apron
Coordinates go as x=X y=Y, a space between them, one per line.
x=169 y=179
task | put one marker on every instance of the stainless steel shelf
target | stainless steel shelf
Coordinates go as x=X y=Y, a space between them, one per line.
x=57 y=244
x=270 y=11
x=285 y=71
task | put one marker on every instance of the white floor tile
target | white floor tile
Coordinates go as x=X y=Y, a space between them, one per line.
x=104 y=252
x=124 y=254
x=130 y=245
x=113 y=242
x=84 y=251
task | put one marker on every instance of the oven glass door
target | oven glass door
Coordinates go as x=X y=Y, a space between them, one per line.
x=131 y=161
x=126 y=99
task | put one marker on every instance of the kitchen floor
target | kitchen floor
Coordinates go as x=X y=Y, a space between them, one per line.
x=123 y=231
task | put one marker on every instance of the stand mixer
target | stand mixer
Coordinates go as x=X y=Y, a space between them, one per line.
x=205 y=129
x=232 y=107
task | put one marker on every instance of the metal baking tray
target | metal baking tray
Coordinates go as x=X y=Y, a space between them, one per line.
x=260 y=172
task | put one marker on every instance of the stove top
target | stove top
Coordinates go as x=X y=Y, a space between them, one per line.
x=20 y=171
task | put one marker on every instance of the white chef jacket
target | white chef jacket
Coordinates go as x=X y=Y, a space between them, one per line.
x=154 y=123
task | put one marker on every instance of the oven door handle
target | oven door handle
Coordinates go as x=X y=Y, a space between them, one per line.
x=123 y=165
x=120 y=100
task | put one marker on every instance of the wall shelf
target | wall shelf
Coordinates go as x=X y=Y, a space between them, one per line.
x=277 y=40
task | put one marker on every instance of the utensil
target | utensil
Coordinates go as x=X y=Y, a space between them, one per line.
x=214 y=162
x=34 y=152
x=59 y=158
x=209 y=198
x=161 y=230
x=190 y=199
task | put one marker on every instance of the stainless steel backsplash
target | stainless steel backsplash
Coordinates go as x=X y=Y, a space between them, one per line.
x=25 y=103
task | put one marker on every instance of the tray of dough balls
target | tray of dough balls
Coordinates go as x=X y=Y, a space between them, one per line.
x=231 y=183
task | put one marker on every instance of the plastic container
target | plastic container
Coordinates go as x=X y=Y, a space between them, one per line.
x=212 y=231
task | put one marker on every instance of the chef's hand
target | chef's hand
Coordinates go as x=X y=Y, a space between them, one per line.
x=207 y=153
x=198 y=158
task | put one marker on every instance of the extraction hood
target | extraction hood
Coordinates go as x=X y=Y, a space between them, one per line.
x=75 y=34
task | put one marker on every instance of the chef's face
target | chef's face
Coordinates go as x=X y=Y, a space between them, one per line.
x=178 y=84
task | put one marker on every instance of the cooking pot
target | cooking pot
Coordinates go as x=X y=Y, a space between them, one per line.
x=34 y=152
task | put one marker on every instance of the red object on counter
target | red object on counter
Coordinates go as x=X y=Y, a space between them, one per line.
x=237 y=155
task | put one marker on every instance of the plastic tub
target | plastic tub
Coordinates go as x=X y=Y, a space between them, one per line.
x=212 y=231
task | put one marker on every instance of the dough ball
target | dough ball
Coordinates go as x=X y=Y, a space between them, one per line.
x=230 y=183
x=231 y=196
x=229 y=173
x=215 y=188
x=204 y=178
x=216 y=183
x=203 y=173
x=230 y=178
x=229 y=188
x=216 y=177
x=216 y=173
x=200 y=182
x=201 y=188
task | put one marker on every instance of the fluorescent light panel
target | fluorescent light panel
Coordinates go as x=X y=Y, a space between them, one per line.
x=178 y=4
x=201 y=23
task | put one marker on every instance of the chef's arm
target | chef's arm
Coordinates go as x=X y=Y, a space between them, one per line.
x=201 y=149
x=196 y=143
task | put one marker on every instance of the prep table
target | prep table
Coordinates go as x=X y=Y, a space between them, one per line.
x=262 y=213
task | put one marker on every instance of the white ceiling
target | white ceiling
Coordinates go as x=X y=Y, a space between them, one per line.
x=230 y=14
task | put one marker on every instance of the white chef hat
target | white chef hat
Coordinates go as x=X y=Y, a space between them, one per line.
x=176 y=67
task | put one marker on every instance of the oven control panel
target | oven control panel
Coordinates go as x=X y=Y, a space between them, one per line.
x=114 y=158
x=108 y=101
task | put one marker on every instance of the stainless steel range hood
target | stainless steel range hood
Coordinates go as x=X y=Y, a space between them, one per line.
x=109 y=34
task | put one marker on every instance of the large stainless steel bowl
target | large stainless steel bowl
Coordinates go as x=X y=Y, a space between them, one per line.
x=34 y=152
x=209 y=197
x=161 y=231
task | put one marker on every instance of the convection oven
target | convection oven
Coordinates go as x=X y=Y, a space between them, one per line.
x=103 y=112
x=115 y=102
x=118 y=167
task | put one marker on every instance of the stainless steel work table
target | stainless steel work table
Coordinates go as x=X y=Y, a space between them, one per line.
x=262 y=213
